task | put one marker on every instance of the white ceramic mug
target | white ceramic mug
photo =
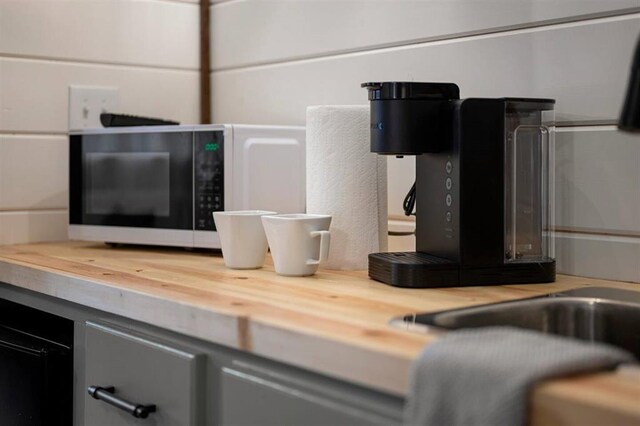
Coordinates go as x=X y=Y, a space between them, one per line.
x=242 y=238
x=298 y=242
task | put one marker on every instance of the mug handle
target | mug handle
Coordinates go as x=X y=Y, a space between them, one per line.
x=325 y=239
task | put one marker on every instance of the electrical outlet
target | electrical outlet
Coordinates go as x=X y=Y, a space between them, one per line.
x=86 y=103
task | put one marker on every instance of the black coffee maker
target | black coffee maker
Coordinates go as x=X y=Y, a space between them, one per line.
x=483 y=190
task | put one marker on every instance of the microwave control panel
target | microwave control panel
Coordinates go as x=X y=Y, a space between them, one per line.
x=208 y=178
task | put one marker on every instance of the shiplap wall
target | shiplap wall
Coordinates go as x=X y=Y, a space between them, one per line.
x=273 y=58
x=146 y=48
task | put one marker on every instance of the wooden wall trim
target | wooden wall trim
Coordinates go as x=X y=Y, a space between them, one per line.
x=205 y=64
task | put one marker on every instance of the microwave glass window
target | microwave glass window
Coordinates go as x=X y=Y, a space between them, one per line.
x=133 y=183
x=138 y=179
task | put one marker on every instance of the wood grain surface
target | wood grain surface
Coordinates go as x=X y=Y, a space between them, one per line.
x=334 y=323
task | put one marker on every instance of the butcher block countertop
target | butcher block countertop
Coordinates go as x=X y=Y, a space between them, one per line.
x=334 y=323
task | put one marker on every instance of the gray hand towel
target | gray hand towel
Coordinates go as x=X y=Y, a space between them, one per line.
x=483 y=376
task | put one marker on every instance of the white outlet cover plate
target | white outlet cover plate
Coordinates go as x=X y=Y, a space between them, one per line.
x=86 y=103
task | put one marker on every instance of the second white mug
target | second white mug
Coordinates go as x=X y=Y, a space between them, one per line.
x=298 y=242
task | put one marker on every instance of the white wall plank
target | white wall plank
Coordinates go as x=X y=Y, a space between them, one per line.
x=33 y=172
x=574 y=63
x=614 y=258
x=34 y=93
x=598 y=180
x=557 y=62
x=33 y=226
x=154 y=33
x=255 y=31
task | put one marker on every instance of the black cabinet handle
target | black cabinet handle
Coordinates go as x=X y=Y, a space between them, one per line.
x=106 y=394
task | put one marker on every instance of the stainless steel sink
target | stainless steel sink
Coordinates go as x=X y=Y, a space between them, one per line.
x=594 y=314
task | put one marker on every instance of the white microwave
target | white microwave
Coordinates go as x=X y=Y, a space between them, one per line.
x=160 y=184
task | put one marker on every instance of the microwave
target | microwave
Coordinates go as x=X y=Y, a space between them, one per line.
x=159 y=185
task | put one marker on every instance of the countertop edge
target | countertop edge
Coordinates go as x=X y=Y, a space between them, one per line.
x=316 y=353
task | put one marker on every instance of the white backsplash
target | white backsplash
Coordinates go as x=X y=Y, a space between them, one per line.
x=148 y=49
x=269 y=70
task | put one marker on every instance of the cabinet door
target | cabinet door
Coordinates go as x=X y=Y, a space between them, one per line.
x=251 y=398
x=142 y=372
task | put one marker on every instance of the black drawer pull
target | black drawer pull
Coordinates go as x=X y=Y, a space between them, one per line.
x=106 y=394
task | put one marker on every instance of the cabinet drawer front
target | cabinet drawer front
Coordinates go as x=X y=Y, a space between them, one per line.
x=142 y=372
x=250 y=398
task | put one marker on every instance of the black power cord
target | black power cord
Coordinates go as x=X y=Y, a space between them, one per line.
x=408 y=204
x=410 y=201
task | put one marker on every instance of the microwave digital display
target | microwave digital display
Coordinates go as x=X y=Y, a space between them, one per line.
x=208 y=179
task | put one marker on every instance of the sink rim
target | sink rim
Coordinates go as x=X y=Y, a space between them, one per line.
x=408 y=321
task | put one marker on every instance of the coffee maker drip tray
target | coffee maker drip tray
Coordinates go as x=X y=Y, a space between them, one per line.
x=413 y=269
x=422 y=270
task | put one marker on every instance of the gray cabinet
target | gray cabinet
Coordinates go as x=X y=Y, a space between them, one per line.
x=193 y=382
x=142 y=371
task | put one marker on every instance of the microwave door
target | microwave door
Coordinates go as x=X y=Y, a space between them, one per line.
x=135 y=180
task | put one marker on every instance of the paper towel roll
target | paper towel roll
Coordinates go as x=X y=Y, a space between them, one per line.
x=346 y=180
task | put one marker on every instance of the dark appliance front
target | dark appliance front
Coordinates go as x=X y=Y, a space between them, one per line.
x=158 y=180
x=483 y=185
x=36 y=367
